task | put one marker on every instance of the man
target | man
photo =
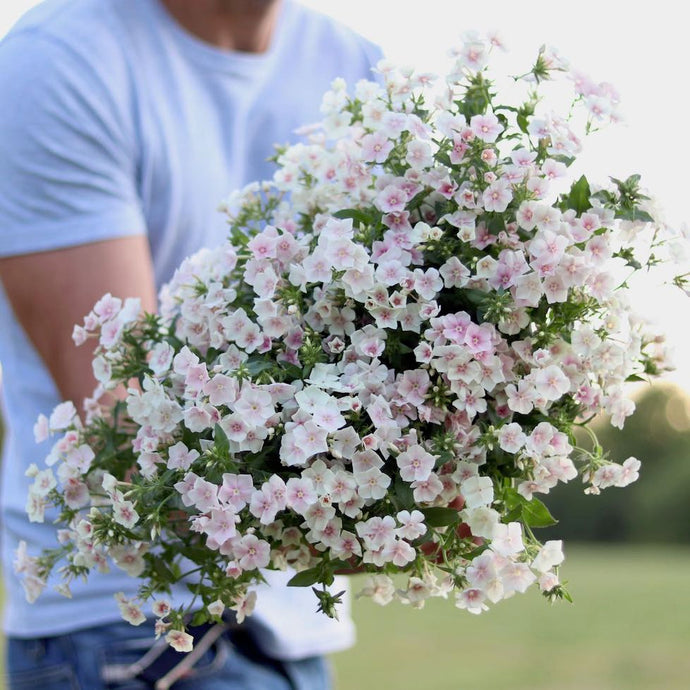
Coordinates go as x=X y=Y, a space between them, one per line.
x=124 y=123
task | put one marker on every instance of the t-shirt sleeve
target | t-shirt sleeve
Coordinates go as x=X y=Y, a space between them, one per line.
x=68 y=159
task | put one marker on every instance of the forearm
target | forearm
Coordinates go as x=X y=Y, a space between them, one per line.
x=51 y=291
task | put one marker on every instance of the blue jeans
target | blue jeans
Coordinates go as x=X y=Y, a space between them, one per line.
x=99 y=659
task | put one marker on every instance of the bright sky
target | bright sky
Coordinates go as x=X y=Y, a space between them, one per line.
x=641 y=48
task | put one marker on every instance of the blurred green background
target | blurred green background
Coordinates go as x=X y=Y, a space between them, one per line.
x=627 y=567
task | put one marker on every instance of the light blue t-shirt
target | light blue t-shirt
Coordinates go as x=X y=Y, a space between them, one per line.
x=115 y=121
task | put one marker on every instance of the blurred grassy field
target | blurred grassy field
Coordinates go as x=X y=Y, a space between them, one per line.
x=628 y=629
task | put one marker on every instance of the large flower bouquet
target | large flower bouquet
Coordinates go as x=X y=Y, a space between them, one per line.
x=380 y=371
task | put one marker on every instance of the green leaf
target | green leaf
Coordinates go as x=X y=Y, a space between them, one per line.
x=578 y=199
x=221 y=440
x=199 y=618
x=255 y=365
x=440 y=517
x=536 y=514
x=306 y=578
x=403 y=494
x=636 y=377
x=358 y=216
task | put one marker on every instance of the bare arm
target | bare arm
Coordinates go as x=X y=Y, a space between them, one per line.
x=52 y=291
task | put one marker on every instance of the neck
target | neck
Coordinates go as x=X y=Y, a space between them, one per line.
x=239 y=25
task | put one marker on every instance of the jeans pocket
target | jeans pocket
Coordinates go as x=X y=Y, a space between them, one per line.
x=54 y=677
x=119 y=663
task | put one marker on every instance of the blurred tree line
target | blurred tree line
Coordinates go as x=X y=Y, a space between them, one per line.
x=656 y=508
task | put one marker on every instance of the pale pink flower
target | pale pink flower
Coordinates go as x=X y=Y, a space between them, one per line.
x=399 y=552
x=427 y=283
x=221 y=389
x=124 y=513
x=511 y=438
x=180 y=641
x=63 y=416
x=411 y=524
x=486 y=127
x=236 y=490
x=312 y=439
x=203 y=495
x=454 y=273
x=300 y=494
x=372 y=483
x=263 y=505
x=551 y=383
x=472 y=600
x=507 y=540
x=629 y=472
x=550 y=555
x=221 y=525
x=415 y=464
x=497 y=196
x=180 y=457
x=376 y=147
x=426 y=490
x=130 y=611
x=244 y=605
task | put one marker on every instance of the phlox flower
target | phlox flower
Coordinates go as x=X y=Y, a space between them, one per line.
x=321 y=476
x=180 y=457
x=346 y=546
x=454 y=273
x=236 y=490
x=481 y=520
x=477 y=491
x=372 y=483
x=411 y=524
x=479 y=338
x=391 y=199
x=497 y=195
x=516 y=577
x=263 y=506
x=413 y=385
x=472 y=600
x=342 y=487
x=399 y=552
x=486 y=127
x=251 y=552
x=426 y=490
x=376 y=531
x=129 y=610
x=511 y=437
x=197 y=418
x=415 y=464
x=551 y=383
x=549 y=556
x=63 y=416
x=419 y=154
x=221 y=525
x=124 y=513
x=203 y=495
x=380 y=588
x=473 y=55
x=254 y=404
x=243 y=605
x=507 y=540
x=427 y=283
x=376 y=147
x=180 y=641
x=300 y=494
x=311 y=438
